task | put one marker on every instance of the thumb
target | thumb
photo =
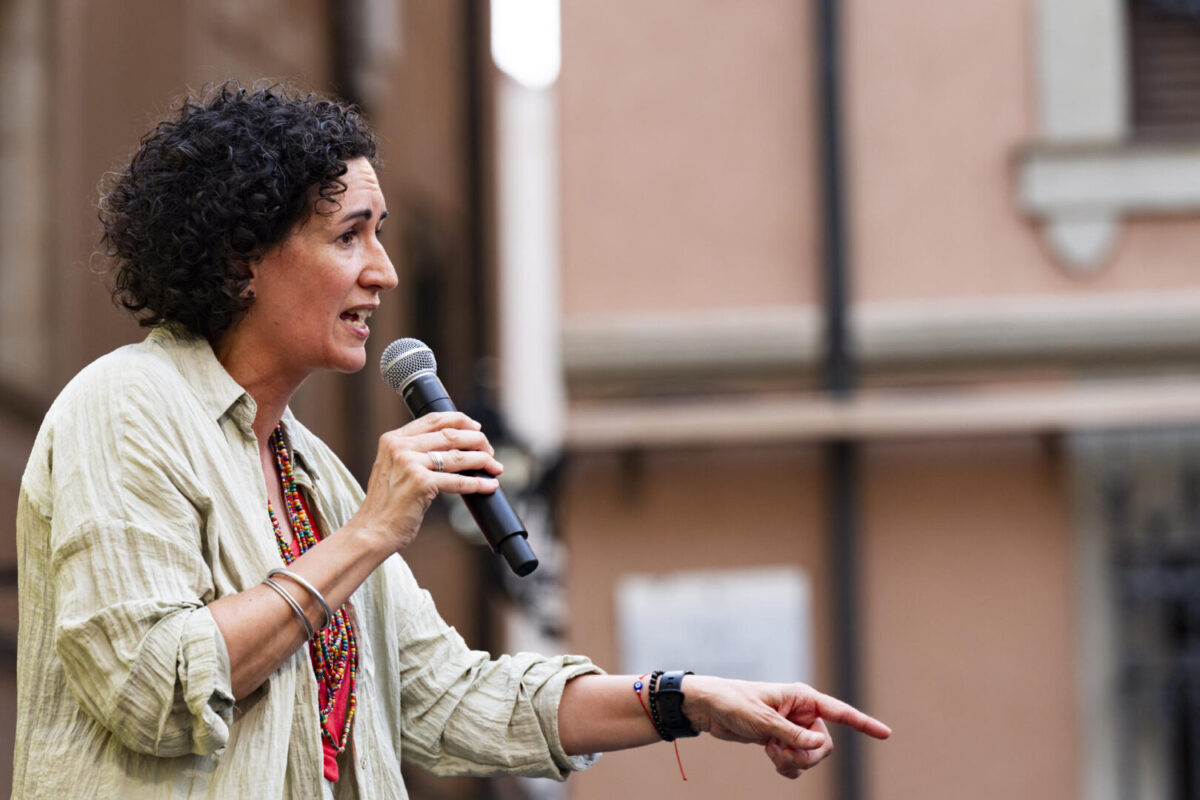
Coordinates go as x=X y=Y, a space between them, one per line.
x=798 y=737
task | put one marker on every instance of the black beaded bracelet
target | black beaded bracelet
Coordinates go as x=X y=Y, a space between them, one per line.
x=655 y=717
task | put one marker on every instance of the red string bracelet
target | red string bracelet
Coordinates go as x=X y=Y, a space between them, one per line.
x=637 y=690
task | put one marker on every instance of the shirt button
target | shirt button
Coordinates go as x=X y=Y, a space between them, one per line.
x=362 y=762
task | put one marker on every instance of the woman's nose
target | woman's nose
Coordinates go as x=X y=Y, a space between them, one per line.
x=379 y=272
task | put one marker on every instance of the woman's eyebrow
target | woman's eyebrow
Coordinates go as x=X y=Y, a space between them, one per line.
x=364 y=213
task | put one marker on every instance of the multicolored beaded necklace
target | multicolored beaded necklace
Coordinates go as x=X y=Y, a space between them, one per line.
x=335 y=654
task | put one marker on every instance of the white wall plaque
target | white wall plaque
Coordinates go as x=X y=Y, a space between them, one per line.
x=754 y=624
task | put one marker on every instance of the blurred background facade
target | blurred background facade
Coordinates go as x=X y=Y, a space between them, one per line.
x=861 y=349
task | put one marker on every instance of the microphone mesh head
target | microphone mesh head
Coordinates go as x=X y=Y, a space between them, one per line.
x=404 y=358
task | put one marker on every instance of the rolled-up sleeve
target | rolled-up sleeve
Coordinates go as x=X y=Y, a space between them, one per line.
x=166 y=692
x=140 y=650
x=468 y=714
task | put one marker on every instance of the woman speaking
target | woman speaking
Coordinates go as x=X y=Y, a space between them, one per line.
x=210 y=605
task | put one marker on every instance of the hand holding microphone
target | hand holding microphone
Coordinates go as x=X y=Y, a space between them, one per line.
x=408 y=366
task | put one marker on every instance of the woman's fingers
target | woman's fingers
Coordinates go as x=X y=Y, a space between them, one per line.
x=461 y=461
x=835 y=710
x=446 y=441
x=445 y=438
x=467 y=484
x=445 y=452
x=791 y=762
x=779 y=757
x=798 y=737
x=448 y=444
x=807 y=759
x=451 y=442
x=438 y=421
x=450 y=438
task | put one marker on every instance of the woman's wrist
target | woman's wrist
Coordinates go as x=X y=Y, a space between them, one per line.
x=370 y=541
x=697 y=700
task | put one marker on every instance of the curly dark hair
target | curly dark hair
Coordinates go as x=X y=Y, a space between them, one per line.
x=212 y=189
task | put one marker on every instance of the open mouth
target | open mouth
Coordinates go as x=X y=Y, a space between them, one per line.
x=357 y=319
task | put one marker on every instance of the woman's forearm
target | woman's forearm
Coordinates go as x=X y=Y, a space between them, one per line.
x=261 y=630
x=598 y=713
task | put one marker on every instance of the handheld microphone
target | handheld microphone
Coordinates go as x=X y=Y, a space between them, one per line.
x=408 y=366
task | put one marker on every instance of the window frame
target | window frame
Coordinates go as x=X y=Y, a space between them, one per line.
x=1084 y=175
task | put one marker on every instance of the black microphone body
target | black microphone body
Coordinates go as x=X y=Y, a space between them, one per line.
x=503 y=529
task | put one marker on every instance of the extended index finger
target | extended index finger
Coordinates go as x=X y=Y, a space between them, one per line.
x=834 y=710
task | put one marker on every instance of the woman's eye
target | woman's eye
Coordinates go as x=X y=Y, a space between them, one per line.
x=347 y=237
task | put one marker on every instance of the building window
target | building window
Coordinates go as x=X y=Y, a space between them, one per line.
x=1140 y=649
x=1091 y=167
x=1164 y=53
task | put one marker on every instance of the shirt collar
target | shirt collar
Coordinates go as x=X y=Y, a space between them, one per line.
x=217 y=391
x=222 y=396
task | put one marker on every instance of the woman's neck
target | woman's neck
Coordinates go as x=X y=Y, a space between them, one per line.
x=271 y=398
x=262 y=380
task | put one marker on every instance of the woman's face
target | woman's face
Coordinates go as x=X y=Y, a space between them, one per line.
x=314 y=293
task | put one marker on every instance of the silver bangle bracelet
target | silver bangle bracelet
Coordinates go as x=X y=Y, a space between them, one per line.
x=291 y=601
x=309 y=587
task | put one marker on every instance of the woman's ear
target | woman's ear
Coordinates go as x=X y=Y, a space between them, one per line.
x=247 y=292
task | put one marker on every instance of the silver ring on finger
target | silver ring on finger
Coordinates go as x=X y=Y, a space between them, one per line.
x=439 y=463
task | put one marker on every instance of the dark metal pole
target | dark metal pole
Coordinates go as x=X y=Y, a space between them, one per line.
x=475 y=106
x=839 y=365
x=842 y=459
x=839 y=379
x=475 y=19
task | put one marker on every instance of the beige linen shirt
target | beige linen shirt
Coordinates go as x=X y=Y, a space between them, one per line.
x=142 y=502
